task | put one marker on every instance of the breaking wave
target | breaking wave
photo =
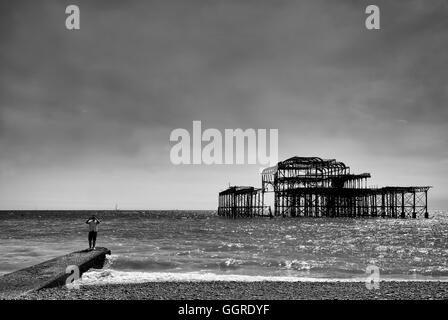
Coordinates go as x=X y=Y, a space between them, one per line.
x=122 y=277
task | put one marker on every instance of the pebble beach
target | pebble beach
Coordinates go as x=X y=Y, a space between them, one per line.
x=266 y=290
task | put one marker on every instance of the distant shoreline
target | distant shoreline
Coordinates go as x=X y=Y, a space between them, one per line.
x=223 y=290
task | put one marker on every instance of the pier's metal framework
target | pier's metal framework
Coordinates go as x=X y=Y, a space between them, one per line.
x=315 y=187
x=240 y=202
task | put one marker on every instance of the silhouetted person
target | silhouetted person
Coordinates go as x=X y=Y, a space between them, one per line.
x=93 y=223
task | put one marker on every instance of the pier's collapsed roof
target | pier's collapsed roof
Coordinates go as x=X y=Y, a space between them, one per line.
x=238 y=189
x=314 y=169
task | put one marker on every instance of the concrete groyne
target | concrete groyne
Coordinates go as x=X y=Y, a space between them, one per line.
x=51 y=273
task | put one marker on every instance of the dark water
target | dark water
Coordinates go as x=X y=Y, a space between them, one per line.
x=191 y=245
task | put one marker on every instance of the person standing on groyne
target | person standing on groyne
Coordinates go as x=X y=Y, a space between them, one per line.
x=93 y=223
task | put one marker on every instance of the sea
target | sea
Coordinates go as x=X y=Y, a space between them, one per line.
x=201 y=246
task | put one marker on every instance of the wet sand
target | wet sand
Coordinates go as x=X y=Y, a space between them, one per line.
x=249 y=291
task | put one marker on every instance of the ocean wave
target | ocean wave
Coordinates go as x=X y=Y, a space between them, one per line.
x=122 y=277
x=128 y=263
x=119 y=277
x=331 y=267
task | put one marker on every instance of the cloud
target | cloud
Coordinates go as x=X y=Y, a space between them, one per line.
x=106 y=97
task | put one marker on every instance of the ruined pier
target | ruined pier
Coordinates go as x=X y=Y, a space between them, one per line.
x=315 y=187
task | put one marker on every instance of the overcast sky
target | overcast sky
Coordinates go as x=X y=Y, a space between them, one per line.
x=85 y=116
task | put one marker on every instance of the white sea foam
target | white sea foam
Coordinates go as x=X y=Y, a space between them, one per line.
x=122 y=277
